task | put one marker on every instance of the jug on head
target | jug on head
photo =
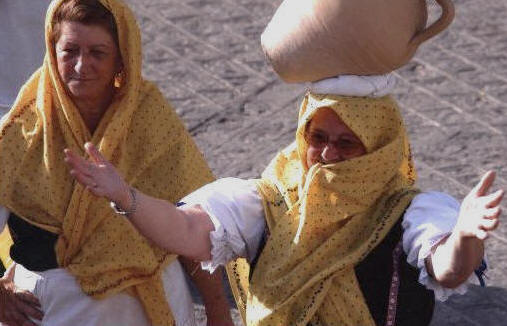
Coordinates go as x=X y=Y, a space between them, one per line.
x=309 y=40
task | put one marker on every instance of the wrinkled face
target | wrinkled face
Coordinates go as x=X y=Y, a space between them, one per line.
x=87 y=59
x=330 y=140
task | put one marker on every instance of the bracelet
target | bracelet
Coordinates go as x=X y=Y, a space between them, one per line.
x=131 y=210
x=195 y=269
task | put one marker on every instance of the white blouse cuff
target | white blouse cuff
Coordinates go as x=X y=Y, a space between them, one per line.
x=224 y=246
x=441 y=293
x=428 y=220
x=235 y=209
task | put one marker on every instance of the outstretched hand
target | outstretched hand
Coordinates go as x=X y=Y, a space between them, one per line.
x=455 y=258
x=480 y=212
x=17 y=307
x=97 y=174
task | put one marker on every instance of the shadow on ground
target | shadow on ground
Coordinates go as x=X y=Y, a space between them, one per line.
x=479 y=306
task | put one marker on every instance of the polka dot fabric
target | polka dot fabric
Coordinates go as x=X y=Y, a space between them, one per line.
x=140 y=134
x=324 y=219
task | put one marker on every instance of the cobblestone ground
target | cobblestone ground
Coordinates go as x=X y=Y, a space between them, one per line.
x=205 y=55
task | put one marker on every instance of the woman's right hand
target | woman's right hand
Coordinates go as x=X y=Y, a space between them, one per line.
x=98 y=175
x=16 y=306
x=179 y=231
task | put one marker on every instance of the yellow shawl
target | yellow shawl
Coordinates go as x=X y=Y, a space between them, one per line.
x=325 y=219
x=5 y=245
x=140 y=134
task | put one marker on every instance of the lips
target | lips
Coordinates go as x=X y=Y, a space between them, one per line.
x=81 y=79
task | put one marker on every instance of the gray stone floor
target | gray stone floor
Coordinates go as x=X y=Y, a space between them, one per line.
x=205 y=55
x=206 y=58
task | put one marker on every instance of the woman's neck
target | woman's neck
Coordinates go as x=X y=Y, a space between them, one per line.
x=92 y=110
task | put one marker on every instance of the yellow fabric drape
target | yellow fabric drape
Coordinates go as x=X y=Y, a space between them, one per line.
x=323 y=220
x=5 y=245
x=139 y=133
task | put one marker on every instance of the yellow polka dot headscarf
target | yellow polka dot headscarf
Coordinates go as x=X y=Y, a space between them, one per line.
x=324 y=219
x=139 y=133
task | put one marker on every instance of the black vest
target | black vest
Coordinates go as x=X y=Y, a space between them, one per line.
x=34 y=248
x=415 y=302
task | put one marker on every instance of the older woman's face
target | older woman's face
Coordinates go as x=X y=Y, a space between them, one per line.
x=330 y=140
x=88 y=60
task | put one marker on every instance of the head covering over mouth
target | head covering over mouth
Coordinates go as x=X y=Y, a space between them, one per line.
x=139 y=133
x=324 y=219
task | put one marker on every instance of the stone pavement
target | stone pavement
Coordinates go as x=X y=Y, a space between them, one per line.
x=206 y=57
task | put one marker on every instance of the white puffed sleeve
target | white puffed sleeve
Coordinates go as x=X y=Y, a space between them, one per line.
x=4 y=214
x=236 y=210
x=429 y=219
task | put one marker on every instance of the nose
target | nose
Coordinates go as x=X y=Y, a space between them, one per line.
x=82 y=64
x=330 y=154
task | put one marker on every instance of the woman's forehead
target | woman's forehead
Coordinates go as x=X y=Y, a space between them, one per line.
x=374 y=121
x=93 y=35
x=327 y=119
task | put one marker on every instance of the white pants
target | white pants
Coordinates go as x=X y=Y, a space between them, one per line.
x=64 y=304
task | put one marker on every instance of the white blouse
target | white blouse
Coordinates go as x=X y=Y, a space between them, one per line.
x=66 y=304
x=4 y=214
x=236 y=211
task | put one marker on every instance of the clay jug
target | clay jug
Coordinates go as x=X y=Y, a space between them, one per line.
x=309 y=40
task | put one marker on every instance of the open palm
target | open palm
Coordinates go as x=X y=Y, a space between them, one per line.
x=480 y=210
x=97 y=174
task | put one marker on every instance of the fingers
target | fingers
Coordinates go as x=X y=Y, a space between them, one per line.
x=484 y=184
x=19 y=307
x=29 y=309
x=494 y=199
x=96 y=174
x=481 y=234
x=28 y=298
x=84 y=179
x=489 y=225
x=81 y=170
x=77 y=163
x=21 y=319
x=492 y=213
x=28 y=322
x=94 y=153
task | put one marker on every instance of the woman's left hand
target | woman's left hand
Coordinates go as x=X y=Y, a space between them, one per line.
x=97 y=174
x=479 y=213
x=455 y=258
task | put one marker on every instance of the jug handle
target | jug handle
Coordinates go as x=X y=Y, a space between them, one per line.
x=445 y=20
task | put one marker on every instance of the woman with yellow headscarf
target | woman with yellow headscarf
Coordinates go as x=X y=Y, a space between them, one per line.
x=334 y=233
x=77 y=261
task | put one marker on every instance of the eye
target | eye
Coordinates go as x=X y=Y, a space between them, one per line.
x=317 y=139
x=349 y=144
x=98 y=52
x=69 y=50
x=346 y=142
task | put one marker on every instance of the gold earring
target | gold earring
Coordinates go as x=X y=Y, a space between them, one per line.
x=118 y=79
